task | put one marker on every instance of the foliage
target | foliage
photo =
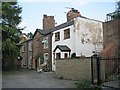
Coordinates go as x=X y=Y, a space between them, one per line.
x=73 y=55
x=83 y=84
x=118 y=6
x=40 y=55
x=10 y=32
x=61 y=77
x=117 y=11
x=30 y=34
x=86 y=84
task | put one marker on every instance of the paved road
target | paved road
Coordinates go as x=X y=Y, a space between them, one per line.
x=34 y=79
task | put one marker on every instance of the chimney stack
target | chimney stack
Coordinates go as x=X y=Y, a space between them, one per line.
x=48 y=22
x=72 y=14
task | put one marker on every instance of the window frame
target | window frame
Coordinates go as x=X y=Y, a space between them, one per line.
x=30 y=46
x=46 y=41
x=45 y=56
x=67 y=33
x=23 y=49
x=57 y=36
x=46 y=59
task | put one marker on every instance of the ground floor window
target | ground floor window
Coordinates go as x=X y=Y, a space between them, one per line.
x=45 y=58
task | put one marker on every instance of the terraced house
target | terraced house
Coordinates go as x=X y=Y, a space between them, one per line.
x=42 y=45
x=78 y=37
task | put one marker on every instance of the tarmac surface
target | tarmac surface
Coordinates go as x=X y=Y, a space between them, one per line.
x=33 y=79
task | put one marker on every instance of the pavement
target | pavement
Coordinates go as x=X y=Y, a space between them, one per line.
x=111 y=85
x=33 y=79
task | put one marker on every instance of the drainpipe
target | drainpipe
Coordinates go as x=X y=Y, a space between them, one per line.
x=74 y=37
x=27 y=53
x=50 y=63
x=32 y=55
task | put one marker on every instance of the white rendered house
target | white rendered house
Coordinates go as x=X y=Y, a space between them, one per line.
x=81 y=36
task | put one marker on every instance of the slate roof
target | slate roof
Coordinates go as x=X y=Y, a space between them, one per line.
x=63 y=25
x=63 y=48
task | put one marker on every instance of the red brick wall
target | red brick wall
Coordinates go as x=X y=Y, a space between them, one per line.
x=71 y=15
x=38 y=46
x=111 y=33
x=48 y=22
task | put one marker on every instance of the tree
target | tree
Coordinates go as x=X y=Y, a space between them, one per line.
x=10 y=32
x=116 y=14
x=30 y=35
x=118 y=6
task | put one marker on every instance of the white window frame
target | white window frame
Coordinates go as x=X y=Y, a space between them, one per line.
x=45 y=58
x=30 y=60
x=45 y=42
x=30 y=46
x=23 y=48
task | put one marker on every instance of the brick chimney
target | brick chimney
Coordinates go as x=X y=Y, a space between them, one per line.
x=72 y=14
x=48 y=22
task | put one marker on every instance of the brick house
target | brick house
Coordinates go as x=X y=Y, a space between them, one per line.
x=26 y=53
x=42 y=44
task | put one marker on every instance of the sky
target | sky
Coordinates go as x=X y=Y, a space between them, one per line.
x=33 y=11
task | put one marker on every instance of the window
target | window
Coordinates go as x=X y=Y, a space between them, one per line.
x=45 y=58
x=57 y=36
x=23 y=48
x=45 y=41
x=30 y=46
x=58 y=55
x=65 y=55
x=45 y=55
x=30 y=60
x=66 y=33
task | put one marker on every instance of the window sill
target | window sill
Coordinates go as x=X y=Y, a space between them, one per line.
x=66 y=38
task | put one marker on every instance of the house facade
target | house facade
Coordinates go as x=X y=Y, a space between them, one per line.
x=26 y=53
x=78 y=37
x=42 y=45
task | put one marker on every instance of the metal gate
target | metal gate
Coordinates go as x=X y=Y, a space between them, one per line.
x=105 y=71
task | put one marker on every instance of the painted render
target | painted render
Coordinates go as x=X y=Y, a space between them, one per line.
x=86 y=36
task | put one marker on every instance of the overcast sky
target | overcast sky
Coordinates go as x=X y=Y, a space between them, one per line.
x=33 y=10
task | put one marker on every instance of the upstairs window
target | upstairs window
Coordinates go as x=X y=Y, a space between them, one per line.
x=57 y=36
x=23 y=48
x=45 y=41
x=66 y=33
x=30 y=46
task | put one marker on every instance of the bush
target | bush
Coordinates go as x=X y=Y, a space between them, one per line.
x=61 y=77
x=83 y=84
x=86 y=84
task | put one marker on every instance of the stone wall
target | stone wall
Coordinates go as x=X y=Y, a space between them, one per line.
x=75 y=69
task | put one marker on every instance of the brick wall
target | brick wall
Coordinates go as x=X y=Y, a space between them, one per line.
x=111 y=33
x=38 y=47
x=79 y=69
x=48 y=22
x=76 y=69
x=72 y=14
